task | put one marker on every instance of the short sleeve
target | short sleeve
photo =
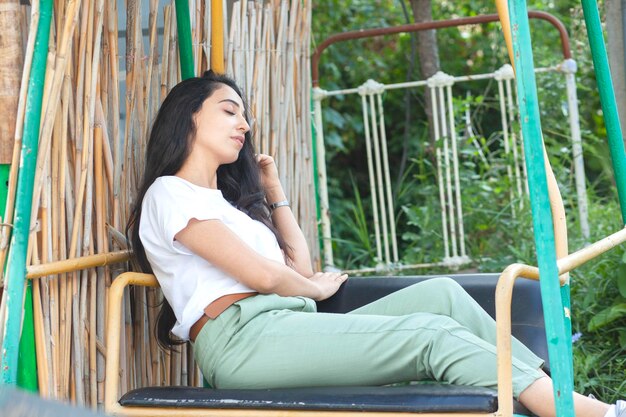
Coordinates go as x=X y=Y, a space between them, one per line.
x=170 y=205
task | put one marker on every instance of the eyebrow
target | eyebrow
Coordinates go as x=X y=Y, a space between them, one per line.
x=230 y=101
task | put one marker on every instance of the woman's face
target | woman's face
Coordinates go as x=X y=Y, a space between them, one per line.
x=220 y=127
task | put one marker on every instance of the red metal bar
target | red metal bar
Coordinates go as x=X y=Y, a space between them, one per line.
x=438 y=24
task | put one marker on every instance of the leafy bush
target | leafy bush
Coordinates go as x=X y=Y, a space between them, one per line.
x=498 y=225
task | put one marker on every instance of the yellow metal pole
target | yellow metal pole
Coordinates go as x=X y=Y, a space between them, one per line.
x=556 y=202
x=217 y=36
x=503 y=12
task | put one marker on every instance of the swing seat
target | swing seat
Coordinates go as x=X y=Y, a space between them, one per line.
x=424 y=398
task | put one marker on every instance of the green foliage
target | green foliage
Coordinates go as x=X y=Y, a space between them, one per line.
x=599 y=313
x=498 y=222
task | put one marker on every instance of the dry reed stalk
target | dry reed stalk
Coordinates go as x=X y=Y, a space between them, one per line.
x=184 y=374
x=206 y=38
x=250 y=50
x=76 y=387
x=152 y=56
x=107 y=154
x=52 y=100
x=173 y=69
x=96 y=284
x=167 y=15
x=241 y=46
x=176 y=367
x=81 y=62
x=154 y=351
x=47 y=229
x=265 y=79
x=197 y=7
x=138 y=335
x=132 y=15
x=71 y=339
x=127 y=347
x=167 y=380
x=43 y=371
x=96 y=133
x=59 y=12
x=115 y=111
x=92 y=342
x=230 y=54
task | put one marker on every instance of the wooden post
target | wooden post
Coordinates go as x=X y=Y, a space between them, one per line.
x=10 y=74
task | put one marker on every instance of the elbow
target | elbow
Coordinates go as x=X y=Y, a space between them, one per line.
x=267 y=282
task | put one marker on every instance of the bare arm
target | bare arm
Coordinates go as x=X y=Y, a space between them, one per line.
x=283 y=217
x=226 y=250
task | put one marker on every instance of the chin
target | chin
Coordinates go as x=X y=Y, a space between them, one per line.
x=231 y=159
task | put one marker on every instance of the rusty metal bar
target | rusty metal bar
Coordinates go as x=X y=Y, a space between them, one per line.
x=438 y=24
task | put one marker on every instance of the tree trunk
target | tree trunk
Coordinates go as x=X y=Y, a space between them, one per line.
x=427 y=52
x=616 y=46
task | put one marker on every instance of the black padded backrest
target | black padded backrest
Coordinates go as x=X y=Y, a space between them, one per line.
x=526 y=310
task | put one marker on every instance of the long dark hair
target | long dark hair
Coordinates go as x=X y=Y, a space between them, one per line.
x=170 y=142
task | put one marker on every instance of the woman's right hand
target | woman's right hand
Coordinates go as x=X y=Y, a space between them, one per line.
x=328 y=283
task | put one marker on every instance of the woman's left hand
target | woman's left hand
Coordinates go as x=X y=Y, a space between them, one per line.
x=269 y=172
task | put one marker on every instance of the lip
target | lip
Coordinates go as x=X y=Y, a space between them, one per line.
x=240 y=139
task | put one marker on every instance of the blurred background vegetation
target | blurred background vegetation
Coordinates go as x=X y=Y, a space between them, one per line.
x=495 y=237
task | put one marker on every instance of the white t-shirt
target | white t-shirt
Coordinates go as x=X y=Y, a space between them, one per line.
x=188 y=281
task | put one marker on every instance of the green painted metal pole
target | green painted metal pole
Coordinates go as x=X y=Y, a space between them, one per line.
x=27 y=358
x=4 y=187
x=542 y=217
x=185 y=50
x=16 y=264
x=607 y=98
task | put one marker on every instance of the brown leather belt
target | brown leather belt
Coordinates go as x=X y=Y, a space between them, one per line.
x=216 y=308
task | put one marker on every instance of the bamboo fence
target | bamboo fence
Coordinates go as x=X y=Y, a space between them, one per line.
x=90 y=162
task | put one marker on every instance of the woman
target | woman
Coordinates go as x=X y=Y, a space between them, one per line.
x=214 y=225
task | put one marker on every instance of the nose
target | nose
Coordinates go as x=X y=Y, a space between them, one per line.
x=243 y=124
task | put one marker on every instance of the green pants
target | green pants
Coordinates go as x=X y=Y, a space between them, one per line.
x=429 y=331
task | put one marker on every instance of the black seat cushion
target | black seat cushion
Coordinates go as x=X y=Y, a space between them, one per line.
x=420 y=398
